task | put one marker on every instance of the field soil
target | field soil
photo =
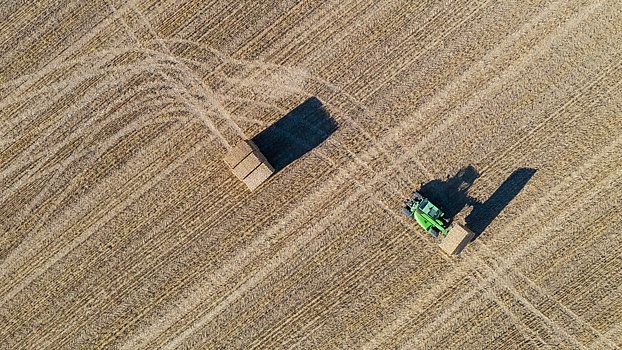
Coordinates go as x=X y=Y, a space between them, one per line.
x=122 y=227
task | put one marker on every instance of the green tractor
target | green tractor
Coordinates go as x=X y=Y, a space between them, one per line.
x=453 y=237
x=427 y=215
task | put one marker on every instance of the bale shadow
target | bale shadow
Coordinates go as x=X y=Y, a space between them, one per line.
x=295 y=134
x=451 y=195
x=484 y=213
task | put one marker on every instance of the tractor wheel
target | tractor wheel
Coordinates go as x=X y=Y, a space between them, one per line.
x=417 y=196
x=434 y=232
x=407 y=212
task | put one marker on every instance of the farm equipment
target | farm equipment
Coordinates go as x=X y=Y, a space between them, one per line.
x=453 y=237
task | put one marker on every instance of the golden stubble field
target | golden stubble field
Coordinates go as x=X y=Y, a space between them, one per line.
x=121 y=226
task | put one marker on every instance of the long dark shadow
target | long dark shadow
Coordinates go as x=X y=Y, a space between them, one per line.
x=295 y=134
x=451 y=195
x=484 y=213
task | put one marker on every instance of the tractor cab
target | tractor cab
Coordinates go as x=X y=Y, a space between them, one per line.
x=428 y=208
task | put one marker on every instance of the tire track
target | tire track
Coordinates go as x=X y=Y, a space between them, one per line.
x=306 y=36
x=539 y=301
x=246 y=81
x=375 y=145
x=275 y=293
x=110 y=60
x=188 y=96
x=358 y=19
x=531 y=134
x=475 y=73
x=614 y=332
x=430 y=135
x=269 y=35
x=178 y=248
x=119 y=273
x=472 y=103
x=102 y=67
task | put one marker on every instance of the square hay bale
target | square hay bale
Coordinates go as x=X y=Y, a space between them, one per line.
x=258 y=176
x=457 y=238
x=238 y=153
x=248 y=164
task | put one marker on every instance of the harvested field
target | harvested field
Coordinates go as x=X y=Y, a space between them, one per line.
x=122 y=226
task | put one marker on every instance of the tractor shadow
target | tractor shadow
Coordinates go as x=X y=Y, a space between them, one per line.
x=452 y=196
x=296 y=133
x=484 y=213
